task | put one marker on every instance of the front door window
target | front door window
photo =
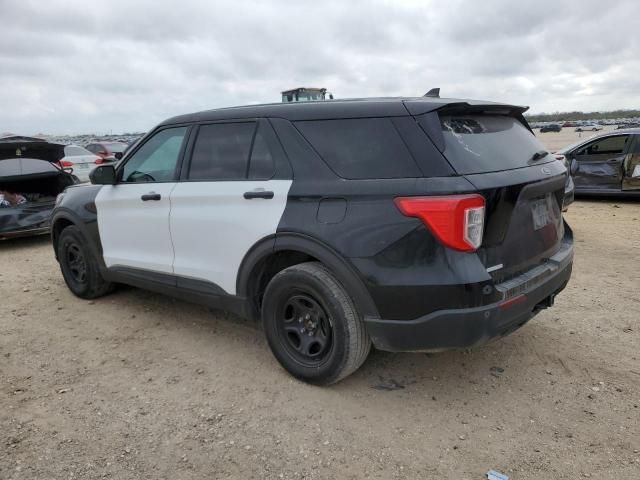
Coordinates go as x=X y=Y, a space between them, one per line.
x=157 y=159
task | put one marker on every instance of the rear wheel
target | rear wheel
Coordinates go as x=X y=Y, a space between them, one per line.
x=312 y=325
x=79 y=266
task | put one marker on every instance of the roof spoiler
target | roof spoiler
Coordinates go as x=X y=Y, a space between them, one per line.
x=434 y=92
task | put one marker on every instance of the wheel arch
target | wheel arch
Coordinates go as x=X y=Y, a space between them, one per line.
x=61 y=220
x=277 y=252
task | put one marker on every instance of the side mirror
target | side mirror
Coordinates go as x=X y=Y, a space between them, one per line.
x=103 y=175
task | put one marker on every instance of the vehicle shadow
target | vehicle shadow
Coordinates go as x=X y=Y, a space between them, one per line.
x=21 y=243
x=443 y=374
x=620 y=200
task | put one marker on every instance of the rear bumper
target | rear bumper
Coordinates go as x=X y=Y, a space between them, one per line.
x=523 y=298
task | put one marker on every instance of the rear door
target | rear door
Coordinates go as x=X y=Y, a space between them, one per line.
x=232 y=194
x=598 y=164
x=133 y=215
x=631 y=168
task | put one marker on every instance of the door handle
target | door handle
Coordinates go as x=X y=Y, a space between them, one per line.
x=150 y=196
x=266 y=194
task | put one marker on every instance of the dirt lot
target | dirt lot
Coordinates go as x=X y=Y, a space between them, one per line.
x=135 y=385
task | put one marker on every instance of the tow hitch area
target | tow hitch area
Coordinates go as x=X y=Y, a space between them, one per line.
x=546 y=303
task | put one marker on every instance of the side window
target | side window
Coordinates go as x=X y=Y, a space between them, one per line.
x=610 y=146
x=221 y=151
x=156 y=160
x=261 y=165
x=360 y=148
x=91 y=148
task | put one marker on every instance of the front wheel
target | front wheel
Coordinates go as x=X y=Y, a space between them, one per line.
x=312 y=326
x=79 y=266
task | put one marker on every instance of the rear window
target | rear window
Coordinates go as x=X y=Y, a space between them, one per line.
x=116 y=147
x=488 y=143
x=360 y=148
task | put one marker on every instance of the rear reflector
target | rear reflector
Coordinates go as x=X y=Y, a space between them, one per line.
x=457 y=221
x=512 y=301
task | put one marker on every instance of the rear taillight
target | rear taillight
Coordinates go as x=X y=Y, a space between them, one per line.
x=99 y=161
x=457 y=221
x=66 y=163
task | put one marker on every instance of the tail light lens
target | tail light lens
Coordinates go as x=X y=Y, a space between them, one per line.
x=457 y=221
x=99 y=161
x=66 y=163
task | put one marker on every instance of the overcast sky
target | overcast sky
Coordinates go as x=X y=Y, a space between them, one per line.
x=125 y=65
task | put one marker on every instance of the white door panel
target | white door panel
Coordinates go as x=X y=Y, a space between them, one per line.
x=135 y=233
x=213 y=226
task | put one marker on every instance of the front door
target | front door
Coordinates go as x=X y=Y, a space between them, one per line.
x=631 y=180
x=231 y=195
x=133 y=215
x=598 y=164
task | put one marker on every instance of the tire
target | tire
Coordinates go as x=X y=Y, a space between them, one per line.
x=79 y=266
x=312 y=325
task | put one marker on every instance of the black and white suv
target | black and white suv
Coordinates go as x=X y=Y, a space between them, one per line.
x=409 y=224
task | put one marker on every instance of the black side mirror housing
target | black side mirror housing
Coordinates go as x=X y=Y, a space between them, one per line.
x=103 y=175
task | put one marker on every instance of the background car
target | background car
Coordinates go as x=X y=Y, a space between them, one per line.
x=30 y=180
x=109 y=151
x=81 y=160
x=588 y=127
x=607 y=164
x=551 y=128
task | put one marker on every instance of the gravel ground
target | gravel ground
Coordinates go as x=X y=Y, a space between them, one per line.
x=136 y=385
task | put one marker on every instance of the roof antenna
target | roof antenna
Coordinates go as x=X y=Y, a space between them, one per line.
x=434 y=92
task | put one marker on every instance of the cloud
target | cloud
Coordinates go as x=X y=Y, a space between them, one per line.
x=76 y=66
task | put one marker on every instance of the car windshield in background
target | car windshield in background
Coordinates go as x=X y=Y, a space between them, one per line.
x=116 y=147
x=72 y=151
x=488 y=143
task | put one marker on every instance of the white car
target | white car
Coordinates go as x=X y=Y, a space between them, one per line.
x=588 y=127
x=81 y=160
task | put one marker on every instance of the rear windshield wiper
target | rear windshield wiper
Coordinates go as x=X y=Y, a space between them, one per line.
x=538 y=155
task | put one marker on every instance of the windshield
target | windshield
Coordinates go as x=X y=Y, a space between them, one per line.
x=489 y=143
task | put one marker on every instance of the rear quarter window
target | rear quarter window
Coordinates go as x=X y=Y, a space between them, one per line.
x=361 y=148
x=488 y=143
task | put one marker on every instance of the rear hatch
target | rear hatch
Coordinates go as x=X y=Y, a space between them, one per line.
x=29 y=170
x=493 y=147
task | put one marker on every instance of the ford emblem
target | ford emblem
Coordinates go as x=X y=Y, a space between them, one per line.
x=546 y=171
